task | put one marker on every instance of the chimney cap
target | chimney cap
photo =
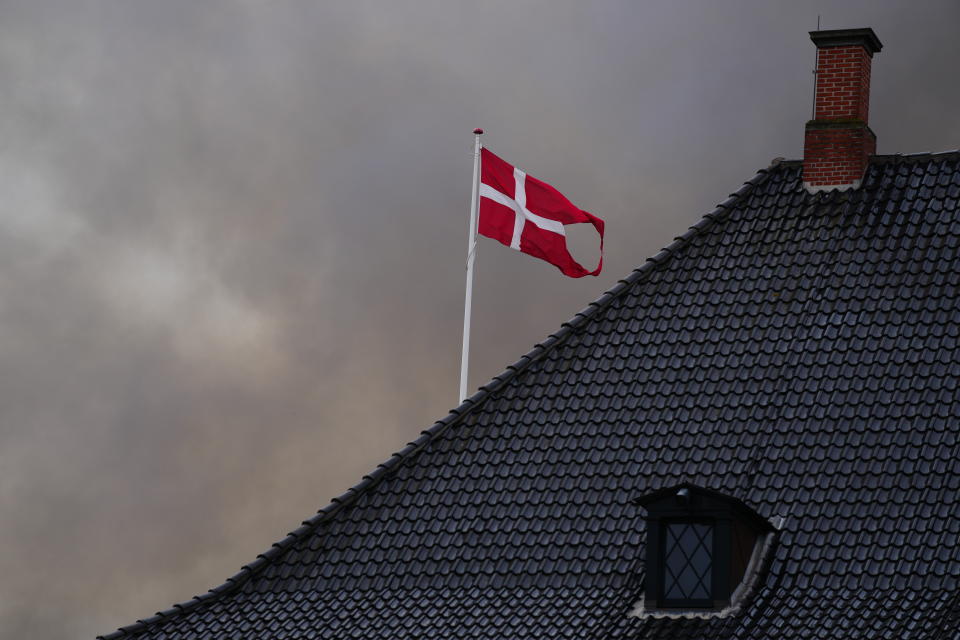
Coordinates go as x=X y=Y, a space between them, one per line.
x=866 y=38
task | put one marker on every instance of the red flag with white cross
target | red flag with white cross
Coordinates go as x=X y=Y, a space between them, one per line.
x=523 y=213
x=529 y=215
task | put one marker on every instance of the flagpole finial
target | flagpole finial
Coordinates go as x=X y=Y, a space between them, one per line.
x=478 y=131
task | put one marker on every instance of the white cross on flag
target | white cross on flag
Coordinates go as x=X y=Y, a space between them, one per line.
x=529 y=215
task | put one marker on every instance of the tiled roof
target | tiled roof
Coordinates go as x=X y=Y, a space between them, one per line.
x=799 y=352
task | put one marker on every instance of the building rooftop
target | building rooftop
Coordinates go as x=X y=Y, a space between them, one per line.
x=796 y=351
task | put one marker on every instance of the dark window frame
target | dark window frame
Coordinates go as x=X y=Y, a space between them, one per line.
x=728 y=516
x=663 y=552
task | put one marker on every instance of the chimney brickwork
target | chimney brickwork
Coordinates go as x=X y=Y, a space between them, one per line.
x=838 y=142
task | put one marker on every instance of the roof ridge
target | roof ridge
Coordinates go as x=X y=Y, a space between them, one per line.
x=884 y=158
x=456 y=414
x=914 y=157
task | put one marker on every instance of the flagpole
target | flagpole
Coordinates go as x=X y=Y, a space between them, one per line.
x=471 y=256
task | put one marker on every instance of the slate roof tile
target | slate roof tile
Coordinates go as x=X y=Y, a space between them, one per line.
x=797 y=351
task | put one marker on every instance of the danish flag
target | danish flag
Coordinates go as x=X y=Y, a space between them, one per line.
x=529 y=215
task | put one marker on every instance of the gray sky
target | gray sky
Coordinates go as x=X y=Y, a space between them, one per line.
x=232 y=239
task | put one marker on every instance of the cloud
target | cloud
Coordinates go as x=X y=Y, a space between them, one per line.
x=231 y=240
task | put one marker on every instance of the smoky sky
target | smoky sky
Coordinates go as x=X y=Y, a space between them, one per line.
x=232 y=238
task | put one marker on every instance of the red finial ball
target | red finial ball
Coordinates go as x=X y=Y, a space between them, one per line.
x=478 y=131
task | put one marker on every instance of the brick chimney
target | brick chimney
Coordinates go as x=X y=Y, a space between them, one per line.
x=838 y=142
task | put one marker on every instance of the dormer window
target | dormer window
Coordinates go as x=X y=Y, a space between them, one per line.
x=702 y=546
x=688 y=562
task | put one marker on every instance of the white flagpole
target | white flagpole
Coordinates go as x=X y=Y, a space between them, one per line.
x=471 y=256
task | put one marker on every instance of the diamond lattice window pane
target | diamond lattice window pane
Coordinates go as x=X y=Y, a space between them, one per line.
x=689 y=560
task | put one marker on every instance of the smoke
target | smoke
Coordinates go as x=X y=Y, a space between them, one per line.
x=232 y=240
